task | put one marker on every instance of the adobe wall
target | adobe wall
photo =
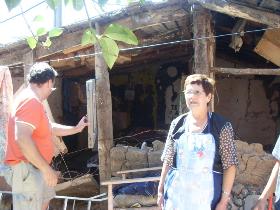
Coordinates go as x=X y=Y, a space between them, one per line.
x=251 y=103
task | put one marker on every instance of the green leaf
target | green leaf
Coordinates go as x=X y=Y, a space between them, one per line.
x=11 y=4
x=38 y=18
x=47 y=43
x=110 y=50
x=78 y=4
x=101 y=3
x=121 y=33
x=53 y=3
x=66 y=2
x=89 y=37
x=55 y=32
x=41 y=31
x=142 y=2
x=32 y=42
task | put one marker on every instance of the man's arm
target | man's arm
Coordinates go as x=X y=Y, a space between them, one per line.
x=269 y=188
x=31 y=153
x=64 y=130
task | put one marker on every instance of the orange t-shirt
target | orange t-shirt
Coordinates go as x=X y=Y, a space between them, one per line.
x=30 y=111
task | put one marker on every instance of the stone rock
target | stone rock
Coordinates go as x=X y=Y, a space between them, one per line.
x=117 y=165
x=118 y=153
x=238 y=202
x=125 y=201
x=158 y=145
x=242 y=147
x=237 y=188
x=154 y=158
x=244 y=192
x=258 y=148
x=250 y=201
x=136 y=158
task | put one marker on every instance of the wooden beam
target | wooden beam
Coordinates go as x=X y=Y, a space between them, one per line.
x=240 y=11
x=203 y=48
x=246 y=71
x=28 y=60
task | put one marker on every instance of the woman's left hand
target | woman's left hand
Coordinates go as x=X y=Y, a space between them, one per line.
x=222 y=205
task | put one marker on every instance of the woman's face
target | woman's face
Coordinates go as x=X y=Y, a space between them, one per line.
x=195 y=97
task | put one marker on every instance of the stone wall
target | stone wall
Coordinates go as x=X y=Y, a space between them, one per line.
x=127 y=157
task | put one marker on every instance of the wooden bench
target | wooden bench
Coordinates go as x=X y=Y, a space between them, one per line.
x=124 y=180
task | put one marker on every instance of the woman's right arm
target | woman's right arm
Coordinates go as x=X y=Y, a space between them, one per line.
x=164 y=171
x=167 y=159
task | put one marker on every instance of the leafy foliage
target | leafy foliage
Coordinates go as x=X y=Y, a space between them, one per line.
x=12 y=4
x=38 y=18
x=121 y=33
x=110 y=50
x=32 y=42
x=41 y=31
x=89 y=37
x=53 y=3
x=78 y=4
x=55 y=32
x=102 y=3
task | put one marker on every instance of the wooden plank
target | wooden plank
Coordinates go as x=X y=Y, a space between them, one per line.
x=91 y=113
x=269 y=46
x=246 y=71
x=139 y=170
x=203 y=48
x=110 y=197
x=83 y=186
x=76 y=48
x=135 y=180
x=236 y=10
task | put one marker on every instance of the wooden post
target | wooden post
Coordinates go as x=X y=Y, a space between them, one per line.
x=204 y=48
x=28 y=60
x=104 y=113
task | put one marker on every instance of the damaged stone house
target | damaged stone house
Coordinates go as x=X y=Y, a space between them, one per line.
x=236 y=42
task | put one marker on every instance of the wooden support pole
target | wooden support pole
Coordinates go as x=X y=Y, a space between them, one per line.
x=246 y=71
x=104 y=113
x=236 y=10
x=28 y=60
x=204 y=49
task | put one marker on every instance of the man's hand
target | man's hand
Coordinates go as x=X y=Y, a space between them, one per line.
x=82 y=124
x=50 y=176
x=260 y=205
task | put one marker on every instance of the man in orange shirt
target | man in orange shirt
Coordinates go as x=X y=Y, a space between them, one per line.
x=30 y=147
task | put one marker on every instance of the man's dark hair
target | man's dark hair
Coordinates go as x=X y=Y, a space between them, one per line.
x=40 y=73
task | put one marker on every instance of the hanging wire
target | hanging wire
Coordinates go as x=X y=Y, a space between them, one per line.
x=17 y=65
